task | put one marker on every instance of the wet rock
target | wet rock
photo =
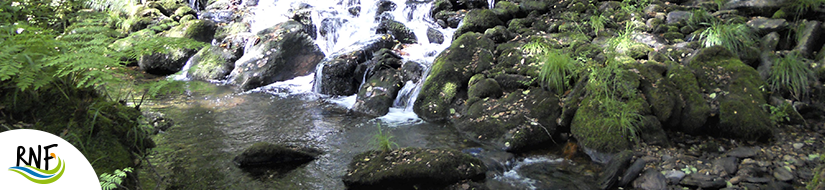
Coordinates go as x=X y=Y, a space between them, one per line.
x=411 y=71
x=212 y=63
x=755 y=7
x=610 y=175
x=551 y=175
x=377 y=93
x=743 y=152
x=782 y=174
x=468 y=55
x=384 y=6
x=478 y=20
x=675 y=17
x=165 y=63
x=650 y=180
x=251 y=2
x=674 y=176
x=398 y=30
x=198 y=30
x=411 y=167
x=340 y=74
x=302 y=13
x=514 y=122
x=703 y=181
x=434 y=36
x=763 y=25
x=732 y=89
x=267 y=154
x=284 y=52
x=633 y=171
x=810 y=39
x=495 y=160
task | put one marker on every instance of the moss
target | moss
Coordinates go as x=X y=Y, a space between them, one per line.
x=484 y=88
x=506 y=10
x=209 y=64
x=695 y=111
x=779 y=14
x=478 y=20
x=595 y=131
x=521 y=25
x=450 y=73
x=670 y=36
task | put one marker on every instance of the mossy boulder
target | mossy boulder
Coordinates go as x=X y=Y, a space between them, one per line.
x=519 y=120
x=268 y=154
x=165 y=63
x=285 y=52
x=481 y=87
x=231 y=29
x=411 y=168
x=506 y=10
x=660 y=93
x=468 y=55
x=733 y=91
x=478 y=20
x=597 y=131
x=199 y=30
x=212 y=63
x=398 y=30
x=694 y=109
x=340 y=74
x=499 y=34
x=377 y=93
x=539 y=6
x=183 y=11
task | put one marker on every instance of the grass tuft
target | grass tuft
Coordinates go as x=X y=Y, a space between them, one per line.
x=734 y=37
x=790 y=74
x=383 y=141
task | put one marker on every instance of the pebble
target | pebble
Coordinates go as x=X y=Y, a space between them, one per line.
x=782 y=174
x=798 y=145
x=743 y=152
x=674 y=176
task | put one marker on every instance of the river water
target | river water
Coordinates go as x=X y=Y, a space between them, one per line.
x=214 y=123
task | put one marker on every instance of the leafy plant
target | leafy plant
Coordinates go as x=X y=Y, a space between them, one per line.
x=689 y=169
x=556 y=71
x=734 y=37
x=791 y=74
x=597 y=22
x=537 y=46
x=113 y=181
x=777 y=114
x=719 y=4
x=383 y=141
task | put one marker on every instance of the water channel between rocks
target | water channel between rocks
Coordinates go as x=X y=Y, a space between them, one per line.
x=213 y=124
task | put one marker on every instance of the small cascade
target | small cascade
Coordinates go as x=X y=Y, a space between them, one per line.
x=183 y=74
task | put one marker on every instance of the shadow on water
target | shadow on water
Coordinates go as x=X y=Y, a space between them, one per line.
x=214 y=125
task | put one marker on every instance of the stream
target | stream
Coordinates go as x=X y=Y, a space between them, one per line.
x=214 y=122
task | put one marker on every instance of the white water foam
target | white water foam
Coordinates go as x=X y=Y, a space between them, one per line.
x=514 y=178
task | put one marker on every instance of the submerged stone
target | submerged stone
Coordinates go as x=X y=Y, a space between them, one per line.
x=267 y=154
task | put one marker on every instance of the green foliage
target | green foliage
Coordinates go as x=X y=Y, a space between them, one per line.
x=617 y=98
x=116 y=6
x=720 y=4
x=538 y=46
x=625 y=38
x=700 y=18
x=113 y=181
x=778 y=115
x=801 y=7
x=556 y=71
x=791 y=74
x=734 y=37
x=23 y=49
x=689 y=169
x=383 y=141
x=597 y=22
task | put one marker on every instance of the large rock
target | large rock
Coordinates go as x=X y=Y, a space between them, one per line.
x=284 y=52
x=609 y=177
x=378 y=92
x=519 y=120
x=267 y=154
x=810 y=39
x=212 y=63
x=409 y=168
x=756 y=7
x=733 y=92
x=199 y=30
x=478 y=20
x=763 y=25
x=650 y=180
x=342 y=73
x=165 y=63
x=398 y=30
x=694 y=110
x=468 y=55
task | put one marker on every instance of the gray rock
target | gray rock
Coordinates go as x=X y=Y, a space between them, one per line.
x=633 y=172
x=434 y=36
x=674 y=17
x=411 y=71
x=729 y=165
x=340 y=74
x=770 y=42
x=743 y=152
x=284 y=52
x=674 y=176
x=782 y=174
x=762 y=180
x=762 y=25
x=251 y=2
x=610 y=175
x=810 y=39
x=213 y=63
x=650 y=180
x=755 y=7
x=703 y=181
x=267 y=154
x=165 y=63
x=376 y=95
x=398 y=30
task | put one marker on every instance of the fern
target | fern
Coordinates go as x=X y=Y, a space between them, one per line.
x=113 y=181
